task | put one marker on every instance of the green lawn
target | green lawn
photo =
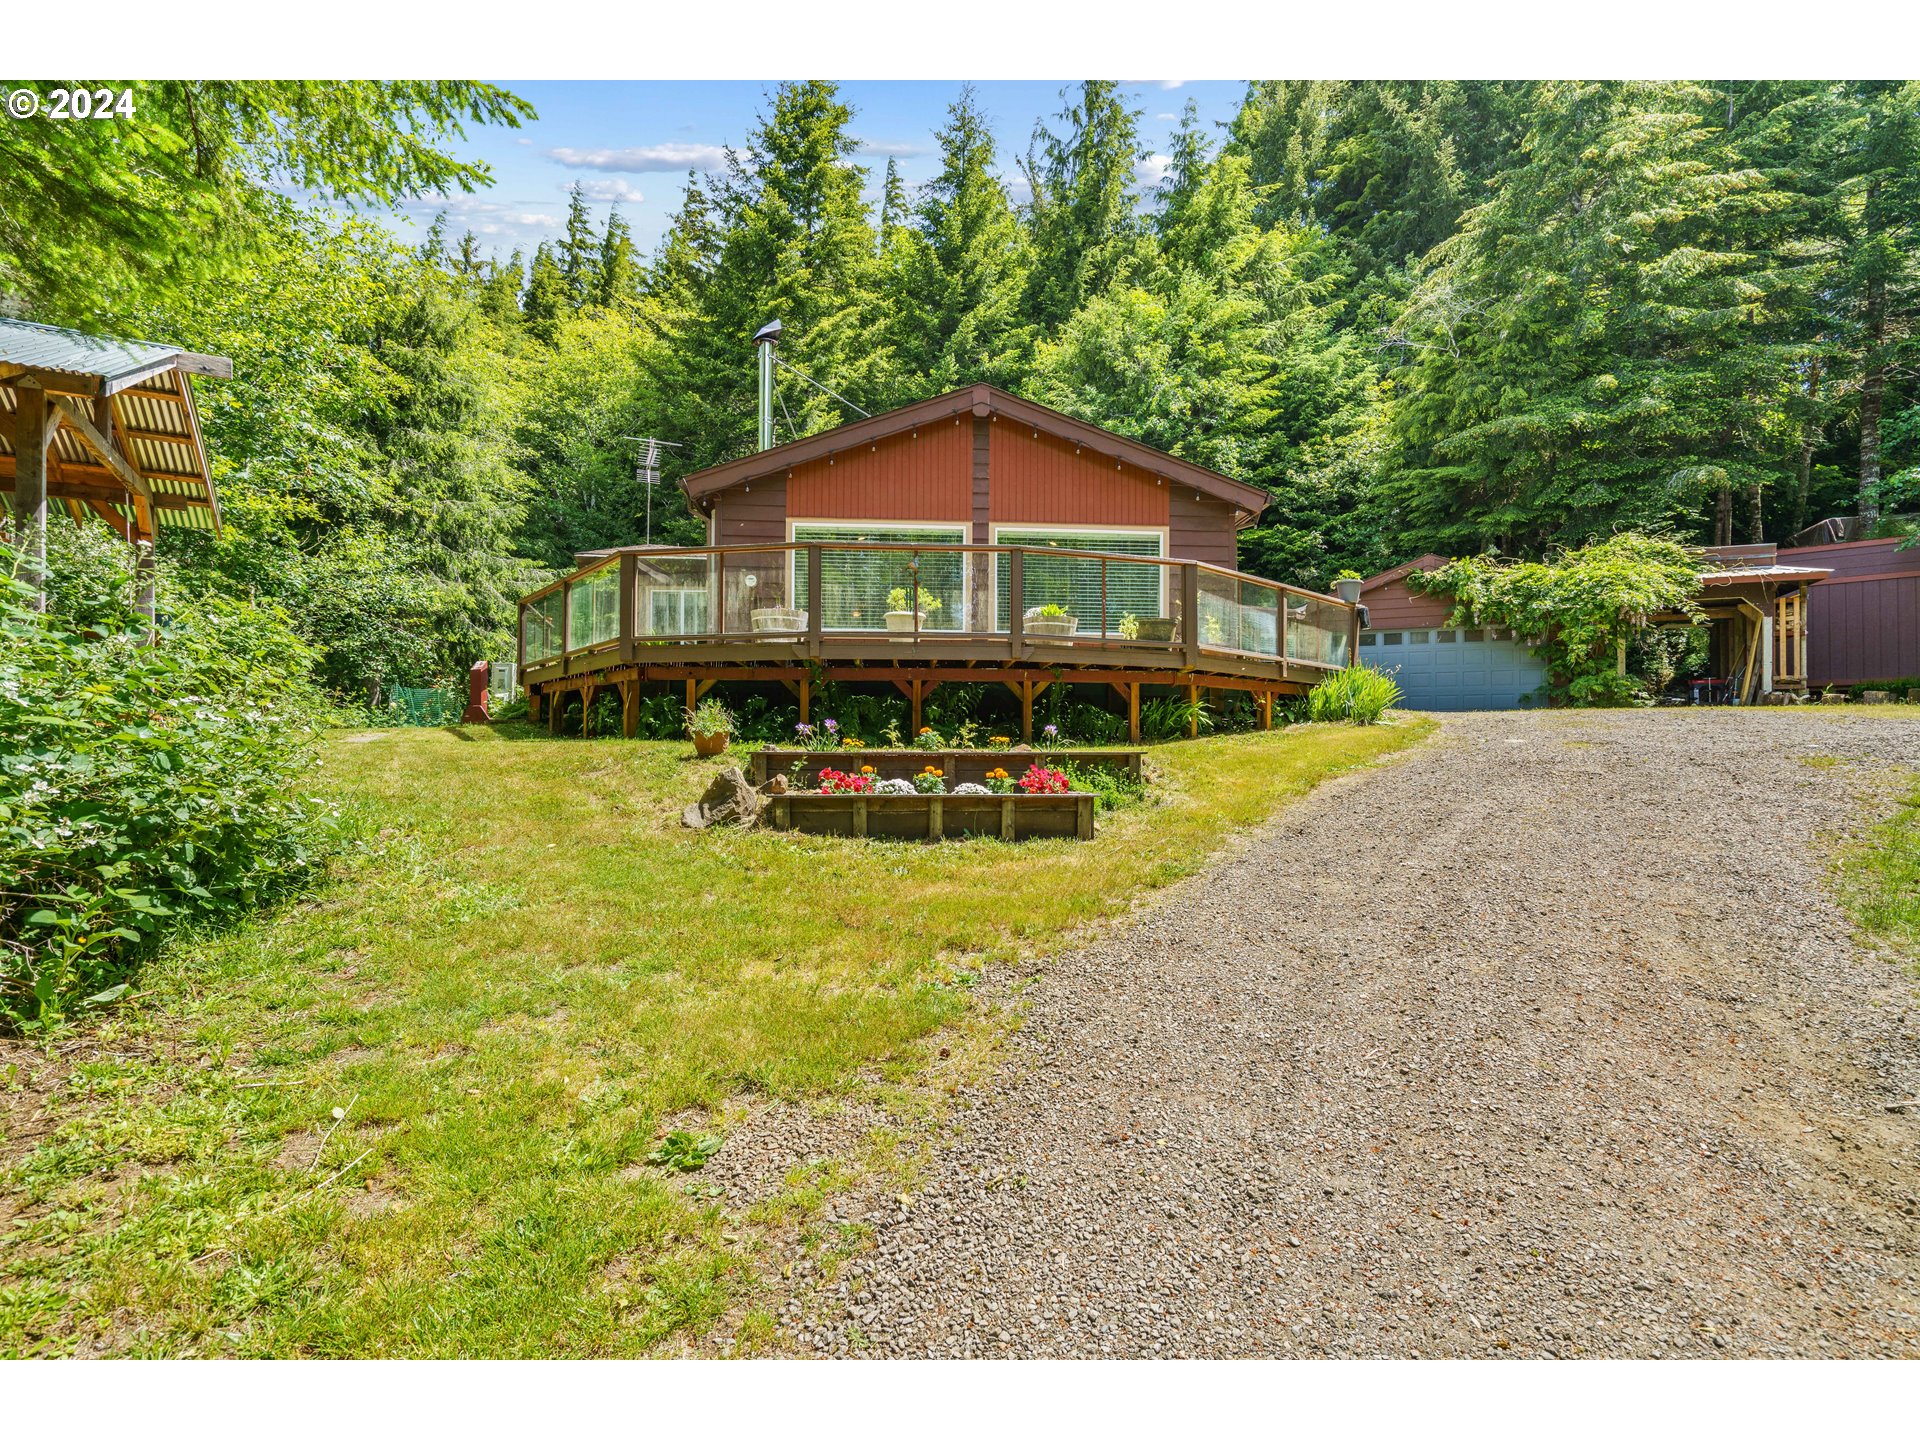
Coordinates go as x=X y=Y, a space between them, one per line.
x=507 y=989
x=1880 y=881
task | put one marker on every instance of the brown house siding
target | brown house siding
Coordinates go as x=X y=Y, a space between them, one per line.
x=1201 y=529
x=1863 y=622
x=753 y=514
x=1392 y=605
x=982 y=471
x=1041 y=481
x=923 y=475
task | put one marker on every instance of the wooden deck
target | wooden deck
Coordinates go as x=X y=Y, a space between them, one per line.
x=602 y=627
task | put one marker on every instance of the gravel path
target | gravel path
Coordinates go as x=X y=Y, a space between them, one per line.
x=1543 y=1041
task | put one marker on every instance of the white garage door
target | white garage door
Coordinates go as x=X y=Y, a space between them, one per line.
x=1455 y=669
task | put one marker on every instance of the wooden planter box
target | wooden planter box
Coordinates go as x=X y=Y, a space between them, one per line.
x=957 y=767
x=935 y=817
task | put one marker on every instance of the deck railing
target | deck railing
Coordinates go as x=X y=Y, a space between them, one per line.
x=805 y=593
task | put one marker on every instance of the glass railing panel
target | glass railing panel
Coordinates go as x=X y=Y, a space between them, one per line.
x=540 y=637
x=1316 y=630
x=673 y=596
x=593 y=608
x=760 y=599
x=1085 y=596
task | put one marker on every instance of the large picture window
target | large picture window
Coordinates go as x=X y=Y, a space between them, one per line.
x=857 y=584
x=1080 y=585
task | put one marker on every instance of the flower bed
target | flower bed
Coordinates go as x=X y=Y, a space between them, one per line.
x=1066 y=816
x=960 y=767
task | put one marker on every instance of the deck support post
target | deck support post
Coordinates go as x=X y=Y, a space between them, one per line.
x=1266 y=710
x=1024 y=689
x=1133 y=712
x=915 y=701
x=533 y=705
x=806 y=700
x=556 y=706
x=693 y=693
x=1193 y=712
x=30 y=439
x=629 y=709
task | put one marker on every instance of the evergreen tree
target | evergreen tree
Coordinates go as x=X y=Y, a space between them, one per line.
x=579 y=253
x=617 y=271
x=1086 y=229
x=466 y=259
x=958 y=306
x=547 y=300
x=1602 y=345
x=500 y=294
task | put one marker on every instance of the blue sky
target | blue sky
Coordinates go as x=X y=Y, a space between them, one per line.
x=632 y=143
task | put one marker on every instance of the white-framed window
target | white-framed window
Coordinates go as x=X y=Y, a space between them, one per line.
x=857 y=586
x=676 y=612
x=1080 y=585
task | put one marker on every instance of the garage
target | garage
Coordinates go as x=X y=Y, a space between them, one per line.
x=1441 y=666
x=1455 y=669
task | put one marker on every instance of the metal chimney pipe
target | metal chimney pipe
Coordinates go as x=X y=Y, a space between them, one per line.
x=764 y=340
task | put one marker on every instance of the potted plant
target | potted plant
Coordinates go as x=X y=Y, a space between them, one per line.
x=709 y=726
x=1347 y=586
x=779 y=617
x=899 y=617
x=1051 y=620
x=1146 y=627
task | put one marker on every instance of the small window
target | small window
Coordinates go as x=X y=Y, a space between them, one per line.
x=1366 y=642
x=1446 y=637
x=1418 y=637
x=1392 y=637
x=1473 y=637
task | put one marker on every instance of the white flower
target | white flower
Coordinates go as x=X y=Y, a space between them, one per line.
x=971 y=789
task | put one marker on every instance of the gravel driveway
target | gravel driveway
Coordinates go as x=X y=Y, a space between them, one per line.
x=1545 y=1040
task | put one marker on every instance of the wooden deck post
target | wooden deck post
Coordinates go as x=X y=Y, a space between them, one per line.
x=1133 y=712
x=1190 y=611
x=1193 y=712
x=629 y=601
x=533 y=704
x=916 y=707
x=30 y=485
x=806 y=699
x=1266 y=710
x=693 y=693
x=556 y=703
x=1026 y=712
x=629 y=708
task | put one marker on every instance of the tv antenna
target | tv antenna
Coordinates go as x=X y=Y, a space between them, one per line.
x=647 y=469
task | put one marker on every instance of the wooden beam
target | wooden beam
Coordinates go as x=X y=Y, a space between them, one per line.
x=57 y=382
x=629 y=708
x=105 y=450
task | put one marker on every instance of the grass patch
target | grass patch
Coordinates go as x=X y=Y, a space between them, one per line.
x=512 y=993
x=1880 y=881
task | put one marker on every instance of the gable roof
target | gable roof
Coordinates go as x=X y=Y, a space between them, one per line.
x=1428 y=561
x=136 y=404
x=982 y=400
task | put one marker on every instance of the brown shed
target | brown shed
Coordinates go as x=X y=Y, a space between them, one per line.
x=1863 y=620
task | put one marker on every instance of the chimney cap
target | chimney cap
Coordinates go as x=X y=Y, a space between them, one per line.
x=767 y=334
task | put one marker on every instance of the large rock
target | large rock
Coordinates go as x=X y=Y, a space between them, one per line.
x=729 y=800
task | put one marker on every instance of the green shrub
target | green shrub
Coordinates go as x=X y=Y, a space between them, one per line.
x=1357 y=695
x=1172 y=717
x=142 y=789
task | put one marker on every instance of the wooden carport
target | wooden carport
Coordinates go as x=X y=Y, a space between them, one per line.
x=108 y=429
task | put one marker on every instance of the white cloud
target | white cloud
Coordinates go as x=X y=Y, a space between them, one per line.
x=504 y=223
x=1166 y=115
x=616 y=191
x=641 y=159
x=1158 y=84
x=1148 y=173
x=891 y=149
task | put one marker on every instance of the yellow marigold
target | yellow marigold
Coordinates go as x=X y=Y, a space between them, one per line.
x=926 y=729
x=1000 y=739
x=866 y=769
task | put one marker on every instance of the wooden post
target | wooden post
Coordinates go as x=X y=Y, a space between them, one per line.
x=916 y=707
x=629 y=708
x=30 y=486
x=815 y=590
x=1266 y=710
x=1016 y=606
x=1083 y=816
x=693 y=693
x=936 y=821
x=860 y=816
x=1026 y=712
x=556 y=703
x=629 y=605
x=1353 y=635
x=806 y=699
x=1193 y=712
x=1133 y=712
x=533 y=704
x=1190 y=611
x=1006 y=817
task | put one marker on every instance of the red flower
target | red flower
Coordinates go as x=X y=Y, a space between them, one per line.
x=1039 y=780
x=838 y=782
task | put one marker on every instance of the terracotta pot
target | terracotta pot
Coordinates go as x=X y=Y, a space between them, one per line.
x=710 y=745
